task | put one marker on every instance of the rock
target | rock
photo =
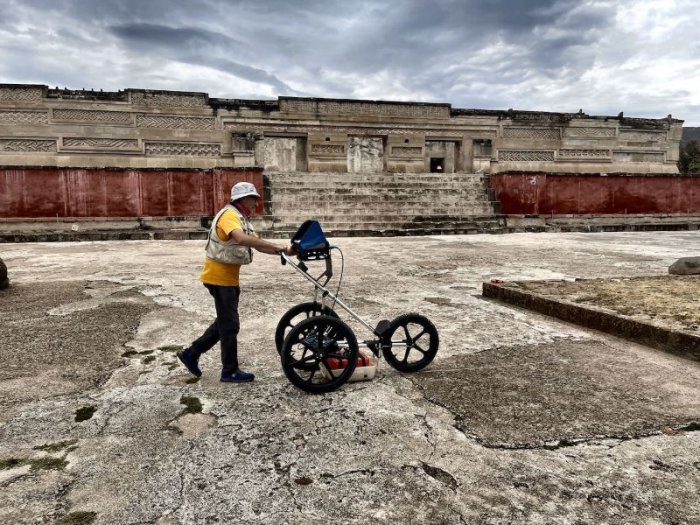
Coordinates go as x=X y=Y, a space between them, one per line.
x=4 y=281
x=685 y=266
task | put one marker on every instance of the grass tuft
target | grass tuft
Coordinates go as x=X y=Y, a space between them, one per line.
x=48 y=464
x=192 y=405
x=55 y=447
x=7 y=464
x=77 y=518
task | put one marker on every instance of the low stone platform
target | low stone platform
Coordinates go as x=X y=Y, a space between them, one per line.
x=656 y=311
x=602 y=223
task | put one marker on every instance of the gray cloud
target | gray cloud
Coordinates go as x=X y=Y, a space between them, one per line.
x=195 y=46
x=603 y=55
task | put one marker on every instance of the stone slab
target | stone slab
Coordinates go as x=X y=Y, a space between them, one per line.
x=549 y=395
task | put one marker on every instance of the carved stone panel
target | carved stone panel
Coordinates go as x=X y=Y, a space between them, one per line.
x=525 y=156
x=175 y=122
x=25 y=117
x=531 y=133
x=22 y=94
x=100 y=144
x=27 y=146
x=278 y=153
x=589 y=133
x=366 y=155
x=88 y=115
x=243 y=142
x=637 y=156
x=364 y=108
x=168 y=99
x=584 y=153
x=348 y=130
x=194 y=149
x=406 y=151
x=642 y=136
x=327 y=149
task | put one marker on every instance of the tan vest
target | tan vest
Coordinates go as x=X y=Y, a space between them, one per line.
x=229 y=252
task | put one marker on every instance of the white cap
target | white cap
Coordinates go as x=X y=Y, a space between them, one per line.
x=243 y=189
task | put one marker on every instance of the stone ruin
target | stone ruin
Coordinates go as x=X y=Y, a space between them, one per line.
x=137 y=128
x=361 y=166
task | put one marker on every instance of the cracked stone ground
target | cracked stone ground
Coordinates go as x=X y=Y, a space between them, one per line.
x=520 y=419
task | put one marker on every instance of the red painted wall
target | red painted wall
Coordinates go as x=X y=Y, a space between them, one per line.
x=570 y=193
x=77 y=192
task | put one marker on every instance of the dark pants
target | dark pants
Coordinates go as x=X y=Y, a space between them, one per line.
x=225 y=328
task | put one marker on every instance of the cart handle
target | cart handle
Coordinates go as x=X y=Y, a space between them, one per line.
x=304 y=270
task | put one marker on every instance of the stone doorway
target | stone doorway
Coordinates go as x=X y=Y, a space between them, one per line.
x=437 y=165
x=440 y=154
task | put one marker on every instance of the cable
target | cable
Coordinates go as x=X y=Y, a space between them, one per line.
x=342 y=269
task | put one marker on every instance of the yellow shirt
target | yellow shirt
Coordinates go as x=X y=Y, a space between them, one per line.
x=218 y=273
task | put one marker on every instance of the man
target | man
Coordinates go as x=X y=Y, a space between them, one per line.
x=230 y=244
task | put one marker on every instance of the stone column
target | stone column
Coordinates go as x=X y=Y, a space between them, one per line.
x=465 y=157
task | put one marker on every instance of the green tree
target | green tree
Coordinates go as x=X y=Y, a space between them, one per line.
x=689 y=158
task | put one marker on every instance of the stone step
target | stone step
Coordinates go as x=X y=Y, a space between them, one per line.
x=348 y=229
x=365 y=186
x=384 y=213
x=344 y=185
x=346 y=203
x=399 y=217
x=327 y=219
x=399 y=198
x=384 y=193
x=359 y=204
x=384 y=219
x=461 y=210
x=380 y=207
x=382 y=179
x=332 y=226
x=371 y=176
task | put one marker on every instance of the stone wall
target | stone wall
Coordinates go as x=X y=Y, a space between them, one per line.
x=134 y=192
x=527 y=193
x=167 y=129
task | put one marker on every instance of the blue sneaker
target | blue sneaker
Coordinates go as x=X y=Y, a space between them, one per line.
x=190 y=362
x=237 y=377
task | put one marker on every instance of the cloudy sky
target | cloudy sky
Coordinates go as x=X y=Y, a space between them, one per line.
x=641 y=57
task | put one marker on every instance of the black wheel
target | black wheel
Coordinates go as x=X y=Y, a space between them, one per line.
x=296 y=314
x=410 y=343
x=312 y=351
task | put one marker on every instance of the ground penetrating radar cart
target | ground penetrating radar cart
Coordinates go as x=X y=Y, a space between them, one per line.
x=319 y=352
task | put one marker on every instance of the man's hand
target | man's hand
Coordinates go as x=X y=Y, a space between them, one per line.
x=260 y=245
x=287 y=250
